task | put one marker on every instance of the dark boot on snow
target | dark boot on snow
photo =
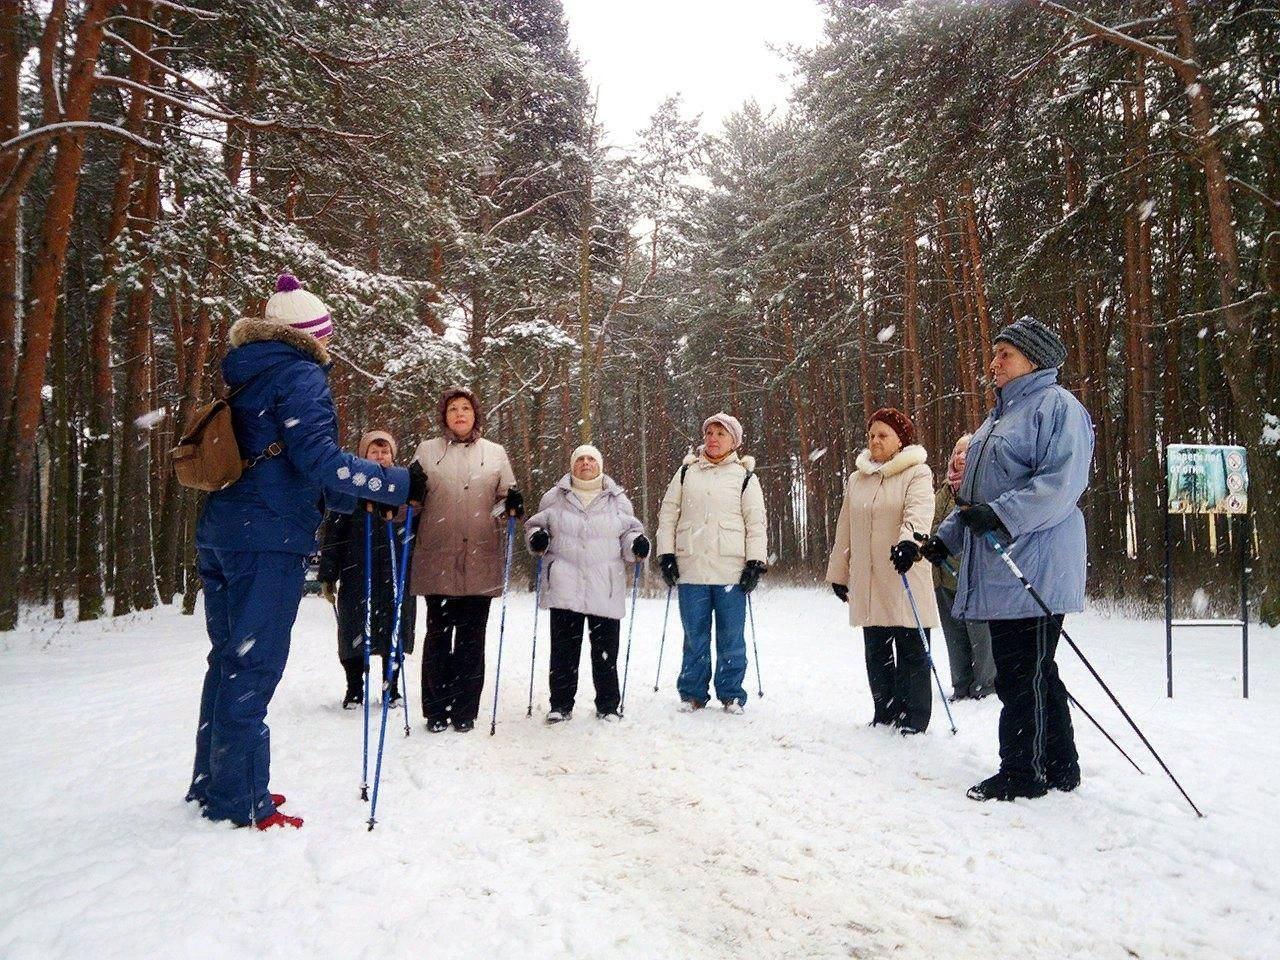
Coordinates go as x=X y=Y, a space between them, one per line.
x=1005 y=786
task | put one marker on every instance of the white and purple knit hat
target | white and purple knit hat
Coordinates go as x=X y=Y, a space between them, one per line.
x=294 y=307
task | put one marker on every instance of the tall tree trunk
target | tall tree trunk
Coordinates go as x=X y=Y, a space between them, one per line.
x=18 y=445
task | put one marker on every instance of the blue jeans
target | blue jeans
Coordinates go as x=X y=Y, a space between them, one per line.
x=698 y=603
x=250 y=602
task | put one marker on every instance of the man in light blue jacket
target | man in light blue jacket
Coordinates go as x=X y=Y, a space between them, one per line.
x=1026 y=469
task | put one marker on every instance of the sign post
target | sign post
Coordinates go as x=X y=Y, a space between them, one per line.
x=1206 y=479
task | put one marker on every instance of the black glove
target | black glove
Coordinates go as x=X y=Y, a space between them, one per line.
x=539 y=540
x=417 y=484
x=751 y=575
x=934 y=550
x=903 y=555
x=981 y=519
x=670 y=569
x=640 y=547
x=514 y=503
x=841 y=591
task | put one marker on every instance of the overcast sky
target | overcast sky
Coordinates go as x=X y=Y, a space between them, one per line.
x=713 y=52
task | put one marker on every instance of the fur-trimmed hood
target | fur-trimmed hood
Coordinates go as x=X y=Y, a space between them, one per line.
x=906 y=458
x=748 y=462
x=252 y=330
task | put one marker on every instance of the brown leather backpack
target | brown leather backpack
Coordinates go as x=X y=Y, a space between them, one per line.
x=207 y=456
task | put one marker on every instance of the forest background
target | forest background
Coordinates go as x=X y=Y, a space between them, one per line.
x=435 y=171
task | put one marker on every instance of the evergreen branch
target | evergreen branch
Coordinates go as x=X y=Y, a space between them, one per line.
x=235 y=119
x=1187 y=70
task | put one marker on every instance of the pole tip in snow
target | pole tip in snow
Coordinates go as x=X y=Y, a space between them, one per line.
x=371 y=823
x=364 y=793
x=493 y=728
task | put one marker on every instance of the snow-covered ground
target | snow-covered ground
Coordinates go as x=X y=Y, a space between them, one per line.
x=792 y=831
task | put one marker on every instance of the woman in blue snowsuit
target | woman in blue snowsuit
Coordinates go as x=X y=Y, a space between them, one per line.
x=254 y=536
x=1026 y=468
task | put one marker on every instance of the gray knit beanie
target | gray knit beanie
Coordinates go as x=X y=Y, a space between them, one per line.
x=1037 y=342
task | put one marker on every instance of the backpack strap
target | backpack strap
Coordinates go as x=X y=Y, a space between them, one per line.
x=684 y=468
x=745 y=481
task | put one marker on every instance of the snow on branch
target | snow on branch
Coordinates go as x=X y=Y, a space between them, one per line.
x=47 y=131
x=222 y=116
x=1184 y=68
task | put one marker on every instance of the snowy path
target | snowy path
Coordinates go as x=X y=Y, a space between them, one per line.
x=793 y=831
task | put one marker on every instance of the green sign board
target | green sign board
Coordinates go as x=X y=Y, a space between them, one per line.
x=1205 y=478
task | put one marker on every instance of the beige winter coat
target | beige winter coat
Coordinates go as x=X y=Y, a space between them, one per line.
x=884 y=503
x=710 y=522
x=461 y=546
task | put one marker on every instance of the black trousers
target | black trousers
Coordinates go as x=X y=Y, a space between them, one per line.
x=354 y=669
x=566 y=655
x=899 y=684
x=1036 y=739
x=453 y=657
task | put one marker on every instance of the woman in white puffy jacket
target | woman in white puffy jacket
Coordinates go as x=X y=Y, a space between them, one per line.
x=712 y=543
x=586 y=533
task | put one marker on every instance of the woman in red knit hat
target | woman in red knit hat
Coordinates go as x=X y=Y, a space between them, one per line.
x=888 y=499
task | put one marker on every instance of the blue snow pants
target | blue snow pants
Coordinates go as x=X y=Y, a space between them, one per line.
x=698 y=603
x=250 y=603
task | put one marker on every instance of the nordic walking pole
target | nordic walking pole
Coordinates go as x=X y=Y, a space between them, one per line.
x=755 y=651
x=502 y=621
x=631 y=629
x=404 y=578
x=368 y=591
x=662 y=645
x=533 y=657
x=1026 y=584
x=393 y=652
x=924 y=642
x=1074 y=702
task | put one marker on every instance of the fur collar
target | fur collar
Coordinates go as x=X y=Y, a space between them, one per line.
x=747 y=462
x=252 y=330
x=904 y=459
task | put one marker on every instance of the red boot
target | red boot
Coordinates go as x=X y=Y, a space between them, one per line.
x=279 y=819
x=278 y=799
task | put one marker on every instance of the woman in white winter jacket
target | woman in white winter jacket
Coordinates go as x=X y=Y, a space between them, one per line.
x=712 y=543
x=888 y=500
x=586 y=533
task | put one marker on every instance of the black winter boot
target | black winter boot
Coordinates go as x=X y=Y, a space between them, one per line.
x=1004 y=786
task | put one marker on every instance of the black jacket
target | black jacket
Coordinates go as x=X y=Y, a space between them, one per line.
x=342 y=562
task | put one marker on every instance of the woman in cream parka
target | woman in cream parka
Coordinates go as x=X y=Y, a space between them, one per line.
x=712 y=544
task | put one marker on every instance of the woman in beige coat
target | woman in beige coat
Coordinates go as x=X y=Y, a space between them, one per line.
x=712 y=545
x=458 y=557
x=888 y=500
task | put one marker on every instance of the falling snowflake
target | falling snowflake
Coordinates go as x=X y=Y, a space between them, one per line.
x=149 y=421
x=886 y=333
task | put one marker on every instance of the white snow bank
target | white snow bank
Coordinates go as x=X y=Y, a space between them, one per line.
x=793 y=831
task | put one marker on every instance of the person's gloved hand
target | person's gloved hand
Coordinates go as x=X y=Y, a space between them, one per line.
x=640 y=547
x=934 y=550
x=417 y=484
x=841 y=591
x=539 y=540
x=903 y=555
x=326 y=591
x=751 y=575
x=981 y=519
x=514 y=503
x=670 y=569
